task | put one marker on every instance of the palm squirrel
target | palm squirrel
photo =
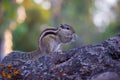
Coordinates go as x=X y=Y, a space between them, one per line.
x=50 y=41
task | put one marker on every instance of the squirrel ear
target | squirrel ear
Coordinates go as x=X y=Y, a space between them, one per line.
x=61 y=26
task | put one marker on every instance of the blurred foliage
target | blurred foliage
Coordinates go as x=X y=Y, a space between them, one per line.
x=29 y=30
x=7 y=14
x=114 y=27
x=73 y=12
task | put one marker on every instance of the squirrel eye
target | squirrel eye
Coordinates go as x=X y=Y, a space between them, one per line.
x=67 y=28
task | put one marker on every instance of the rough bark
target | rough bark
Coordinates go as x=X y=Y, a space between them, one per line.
x=92 y=62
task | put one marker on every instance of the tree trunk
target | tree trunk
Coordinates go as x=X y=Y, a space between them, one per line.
x=1 y=48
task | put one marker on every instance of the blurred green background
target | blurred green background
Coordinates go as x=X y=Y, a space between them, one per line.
x=21 y=21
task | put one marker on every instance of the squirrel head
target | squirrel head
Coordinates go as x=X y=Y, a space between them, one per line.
x=67 y=28
x=66 y=33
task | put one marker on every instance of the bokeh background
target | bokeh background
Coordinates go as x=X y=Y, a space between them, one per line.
x=21 y=21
